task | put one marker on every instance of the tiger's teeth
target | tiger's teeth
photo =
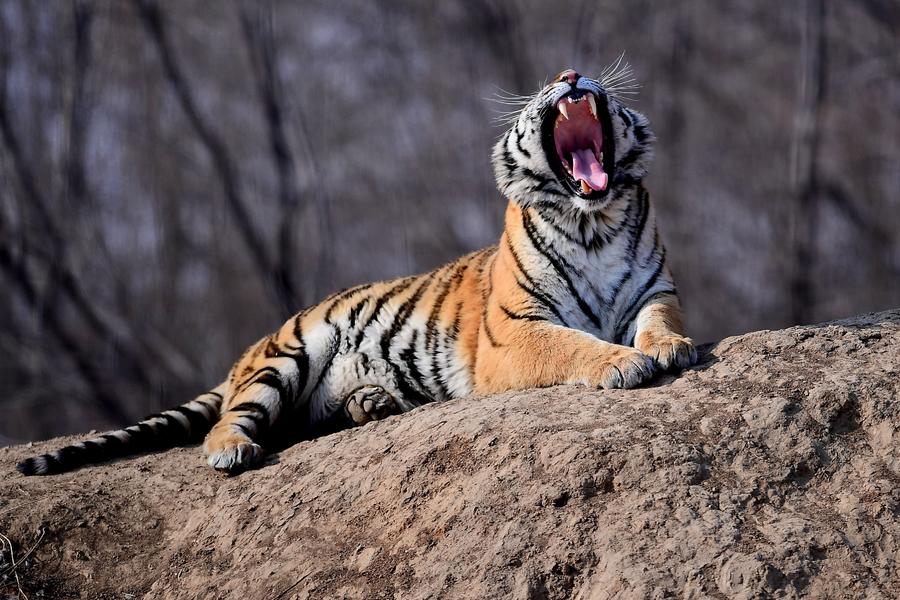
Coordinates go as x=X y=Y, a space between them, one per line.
x=593 y=104
x=585 y=187
x=563 y=110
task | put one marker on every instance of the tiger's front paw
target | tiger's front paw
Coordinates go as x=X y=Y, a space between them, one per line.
x=232 y=453
x=370 y=403
x=626 y=369
x=670 y=352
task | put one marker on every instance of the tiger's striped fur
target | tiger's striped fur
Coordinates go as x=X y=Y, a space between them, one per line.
x=576 y=291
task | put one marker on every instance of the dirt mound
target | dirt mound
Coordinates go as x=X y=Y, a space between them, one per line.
x=772 y=468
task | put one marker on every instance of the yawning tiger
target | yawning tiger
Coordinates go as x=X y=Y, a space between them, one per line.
x=576 y=291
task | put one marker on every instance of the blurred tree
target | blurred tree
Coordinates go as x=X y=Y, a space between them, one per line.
x=176 y=177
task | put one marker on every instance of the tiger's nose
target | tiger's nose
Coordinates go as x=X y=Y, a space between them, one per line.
x=569 y=76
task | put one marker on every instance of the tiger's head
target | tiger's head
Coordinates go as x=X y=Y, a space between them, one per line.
x=573 y=145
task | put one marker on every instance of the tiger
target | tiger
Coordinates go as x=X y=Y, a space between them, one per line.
x=576 y=291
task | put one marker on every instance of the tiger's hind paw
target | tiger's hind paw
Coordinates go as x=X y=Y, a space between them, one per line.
x=235 y=457
x=370 y=403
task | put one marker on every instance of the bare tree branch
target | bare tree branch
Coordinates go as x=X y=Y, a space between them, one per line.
x=149 y=341
x=256 y=23
x=500 y=23
x=883 y=12
x=322 y=281
x=109 y=329
x=806 y=162
x=260 y=45
x=82 y=20
x=18 y=275
x=840 y=199
x=154 y=23
x=83 y=17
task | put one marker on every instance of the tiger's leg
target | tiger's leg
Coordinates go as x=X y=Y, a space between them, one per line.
x=520 y=353
x=659 y=333
x=233 y=444
x=370 y=403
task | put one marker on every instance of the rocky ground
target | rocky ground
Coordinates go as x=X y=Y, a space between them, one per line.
x=769 y=470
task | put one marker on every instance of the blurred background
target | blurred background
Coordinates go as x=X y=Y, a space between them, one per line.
x=177 y=177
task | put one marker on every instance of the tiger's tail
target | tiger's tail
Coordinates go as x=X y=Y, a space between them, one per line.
x=178 y=426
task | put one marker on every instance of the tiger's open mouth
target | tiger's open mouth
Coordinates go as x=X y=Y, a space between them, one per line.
x=582 y=151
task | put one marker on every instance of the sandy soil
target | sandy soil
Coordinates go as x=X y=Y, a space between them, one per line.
x=769 y=470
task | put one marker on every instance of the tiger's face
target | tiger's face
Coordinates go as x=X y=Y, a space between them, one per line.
x=573 y=145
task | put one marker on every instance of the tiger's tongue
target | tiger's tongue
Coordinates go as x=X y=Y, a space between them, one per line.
x=586 y=169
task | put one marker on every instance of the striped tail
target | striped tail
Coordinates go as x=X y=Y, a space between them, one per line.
x=182 y=425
